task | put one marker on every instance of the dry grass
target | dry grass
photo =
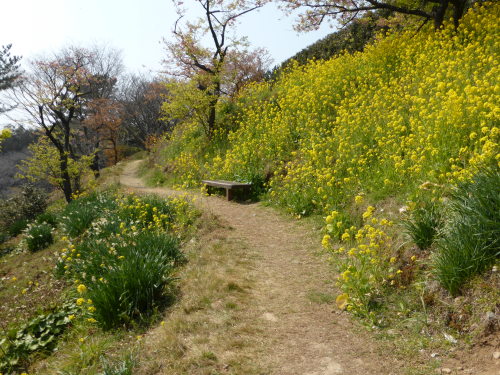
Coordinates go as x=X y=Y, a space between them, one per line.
x=27 y=285
x=208 y=331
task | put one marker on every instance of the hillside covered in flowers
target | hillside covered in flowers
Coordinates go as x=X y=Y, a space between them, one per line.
x=404 y=134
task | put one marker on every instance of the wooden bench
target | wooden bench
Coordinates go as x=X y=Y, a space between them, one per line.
x=230 y=186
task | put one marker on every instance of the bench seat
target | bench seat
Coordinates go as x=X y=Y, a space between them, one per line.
x=228 y=185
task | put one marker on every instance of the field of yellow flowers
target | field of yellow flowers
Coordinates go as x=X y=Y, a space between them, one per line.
x=411 y=108
x=408 y=119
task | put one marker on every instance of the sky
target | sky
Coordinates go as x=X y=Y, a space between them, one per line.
x=137 y=28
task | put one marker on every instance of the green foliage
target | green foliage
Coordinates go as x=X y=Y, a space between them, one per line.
x=45 y=165
x=353 y=37
x=39 y=236
x=423 y=224
x=471 y=237
x=78 y=215
x=17 y=227
x=48 y=218
x=4 y=134
x=26 y=204
x=38 y=335
x=126 y=279
x=122 y=367
x=134 y=282
x=9 y=69
x=129 y=248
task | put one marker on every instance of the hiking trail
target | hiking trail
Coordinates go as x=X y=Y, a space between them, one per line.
x=297 y=335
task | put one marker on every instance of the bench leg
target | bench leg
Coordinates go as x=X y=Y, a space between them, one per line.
x=229 y=194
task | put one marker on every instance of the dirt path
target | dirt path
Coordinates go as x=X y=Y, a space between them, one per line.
x=298 y=333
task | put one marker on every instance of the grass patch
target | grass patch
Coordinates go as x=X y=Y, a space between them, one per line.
x=320 y=297
x=17 y=227
x=133 y=282
x=85 y=350
x=209 y=329
x=120 y=367
x=47 y=218
x=471 y=238
x=423 y=224
x=39 y=236
x=27 y=285
x=81 y=213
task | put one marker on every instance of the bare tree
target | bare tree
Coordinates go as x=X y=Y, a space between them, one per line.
x=141 y=98
x=317 y=11
x=190 y=59
x=55 y=95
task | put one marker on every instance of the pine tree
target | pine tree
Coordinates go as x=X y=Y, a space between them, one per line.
x=9 y=68
x=9 y=71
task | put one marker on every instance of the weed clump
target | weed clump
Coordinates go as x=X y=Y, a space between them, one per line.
x=423 y=224
x=471 y=238
x=81 y=213
x=39 y=236
x=133 y=284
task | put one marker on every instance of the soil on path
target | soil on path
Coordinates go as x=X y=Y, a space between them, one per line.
x=297 y=335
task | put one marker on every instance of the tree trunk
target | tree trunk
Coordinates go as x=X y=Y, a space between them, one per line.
x=66 y=180
x=439 y=13
x=458 y=11
x=115 y=151
x=211 y=118
x=215 y=95
x=94 y=166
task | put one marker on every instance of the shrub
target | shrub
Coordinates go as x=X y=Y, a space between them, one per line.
x=133 y=282
x=39 y=236
x=39 y=334
x=471 y=239
x=48 y=218
x=22 y=207
x=80 y=213
x=423 y=224
x=17 y=227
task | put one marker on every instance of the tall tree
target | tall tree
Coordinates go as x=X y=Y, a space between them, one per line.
x=205 y=66
x=55 y=95
x=344 y=11
x=104 y=119
x=105 y=68
x=141 y=99
x=9 y=71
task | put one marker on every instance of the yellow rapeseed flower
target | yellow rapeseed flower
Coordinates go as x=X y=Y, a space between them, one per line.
x=81 y=288
x=342 y=301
